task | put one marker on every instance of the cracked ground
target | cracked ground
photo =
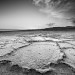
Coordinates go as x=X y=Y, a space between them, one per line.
x=37 y=53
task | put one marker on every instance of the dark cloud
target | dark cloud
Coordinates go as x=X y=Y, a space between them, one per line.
x=73 y=20
x=51 y=24
x=58 y=8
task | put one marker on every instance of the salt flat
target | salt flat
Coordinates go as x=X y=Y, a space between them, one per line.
x=37 y=51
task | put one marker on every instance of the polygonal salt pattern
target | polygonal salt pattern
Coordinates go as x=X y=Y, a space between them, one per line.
x=70 y=53
x=37 y=51
x=8 y=44
x=37 y=55
x=71 y=42
x=65 y=45
x=5 y=51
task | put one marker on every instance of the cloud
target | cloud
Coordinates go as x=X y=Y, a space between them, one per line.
x=58 y=8
x=72 y=20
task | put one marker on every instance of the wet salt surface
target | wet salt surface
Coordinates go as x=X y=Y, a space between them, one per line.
x=46 y=50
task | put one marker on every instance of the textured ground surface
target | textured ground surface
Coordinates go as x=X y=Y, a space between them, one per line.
x=37 y=51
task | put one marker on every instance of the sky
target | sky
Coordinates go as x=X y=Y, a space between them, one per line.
x=36 y=14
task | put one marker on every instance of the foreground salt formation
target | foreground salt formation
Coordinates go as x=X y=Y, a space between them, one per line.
x=37 y=52
x=37 y=56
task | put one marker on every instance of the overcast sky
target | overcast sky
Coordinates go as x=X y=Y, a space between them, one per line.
x=36 y=14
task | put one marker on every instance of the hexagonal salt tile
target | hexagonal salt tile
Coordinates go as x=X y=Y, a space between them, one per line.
x=70 y=53
x=37 y=55
x=65 y=45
